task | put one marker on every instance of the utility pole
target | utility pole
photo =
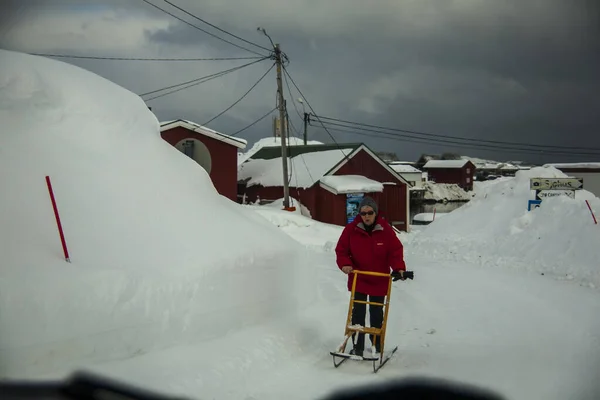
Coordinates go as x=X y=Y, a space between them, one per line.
x=282 y=130
x=306 y=116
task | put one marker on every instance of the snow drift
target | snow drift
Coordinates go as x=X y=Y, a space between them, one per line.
x=444 y=192
x=158 y=257
x=559 y=238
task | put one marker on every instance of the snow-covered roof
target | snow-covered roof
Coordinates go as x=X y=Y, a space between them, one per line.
x=445 y=163
x=580 y=165
x=272 y=142
x=404 y=168
x=305 y=169
x=234 y=141
x=350 y=184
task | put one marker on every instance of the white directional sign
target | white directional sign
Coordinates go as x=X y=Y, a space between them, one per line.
x=556 y=183
x=544 y=194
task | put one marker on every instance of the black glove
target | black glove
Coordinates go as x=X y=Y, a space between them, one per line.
x=407 y=275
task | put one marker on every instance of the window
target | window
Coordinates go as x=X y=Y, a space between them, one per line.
x=468 y=180
x=188 y=148
x=468 y=170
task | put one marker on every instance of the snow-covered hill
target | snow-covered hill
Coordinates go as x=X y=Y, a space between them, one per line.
x=157 y=256
x=495 y=228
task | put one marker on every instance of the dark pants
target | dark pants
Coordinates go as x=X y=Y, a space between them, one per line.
x=359 y=312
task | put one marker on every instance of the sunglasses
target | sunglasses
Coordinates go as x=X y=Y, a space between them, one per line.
x=363 y=213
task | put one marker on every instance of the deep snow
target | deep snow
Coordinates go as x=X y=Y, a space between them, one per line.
x=158 y=257
x=524 y=336
x=558 y=239
x=177 y=289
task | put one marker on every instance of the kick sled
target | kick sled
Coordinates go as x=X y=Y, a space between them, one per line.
x=340 y=356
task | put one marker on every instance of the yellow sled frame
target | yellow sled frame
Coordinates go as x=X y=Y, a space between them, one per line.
x=376 y=332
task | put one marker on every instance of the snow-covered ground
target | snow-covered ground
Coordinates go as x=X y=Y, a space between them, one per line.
x=495 y=229
x=176 y=289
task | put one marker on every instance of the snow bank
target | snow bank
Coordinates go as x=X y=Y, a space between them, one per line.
x=278 y=205
x=443 y=192
x=428 y=217
x=495 y=228
x=158 y=257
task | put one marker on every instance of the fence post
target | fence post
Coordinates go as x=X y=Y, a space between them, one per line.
x=60 y=229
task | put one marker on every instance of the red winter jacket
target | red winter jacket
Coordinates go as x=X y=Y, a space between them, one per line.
x=377 y=252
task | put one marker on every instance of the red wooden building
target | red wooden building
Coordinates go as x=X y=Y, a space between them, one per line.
x=459 y=172
x=328 y=180
x=215 y=152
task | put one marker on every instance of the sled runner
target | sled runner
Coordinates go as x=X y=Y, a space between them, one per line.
x=376 y=332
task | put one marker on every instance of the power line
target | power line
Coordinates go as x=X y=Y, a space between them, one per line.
x=287 y=83
x=314 y=113
x=433 y=135
x=200 y=29
x=143 y=59
x=216 y=27
x=474 y=142
x=437 y=142
x=241 y=98
x=204 y=78
x=210 y=78
x=296 y=134
x=255 y=122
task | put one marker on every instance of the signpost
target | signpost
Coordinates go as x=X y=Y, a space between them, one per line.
x=556 y=184
x=553 y=187
x=544 y=194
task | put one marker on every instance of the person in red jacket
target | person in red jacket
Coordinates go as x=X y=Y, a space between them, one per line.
x=369 y=243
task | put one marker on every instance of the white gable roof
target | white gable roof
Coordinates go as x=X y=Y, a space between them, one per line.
x=350 y=184
x=404 y=168
x=192 y=126
x=445 y=163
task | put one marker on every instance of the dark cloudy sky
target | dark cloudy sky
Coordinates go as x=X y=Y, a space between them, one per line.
x=508 y=71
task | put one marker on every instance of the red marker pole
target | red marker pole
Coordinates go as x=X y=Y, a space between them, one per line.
x=591 y=211
x=60 y=230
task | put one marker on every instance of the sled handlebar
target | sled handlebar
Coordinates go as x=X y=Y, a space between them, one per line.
x=394 y=275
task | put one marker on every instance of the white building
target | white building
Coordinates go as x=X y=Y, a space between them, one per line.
x=411 y=174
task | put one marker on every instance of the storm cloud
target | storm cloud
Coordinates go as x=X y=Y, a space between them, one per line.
x=514 y=70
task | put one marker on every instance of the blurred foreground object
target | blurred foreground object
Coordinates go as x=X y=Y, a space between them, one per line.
x=416 y=389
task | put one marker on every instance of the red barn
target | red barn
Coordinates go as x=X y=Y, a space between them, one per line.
x=215 y=152
x=328 y=180
x=459 y=172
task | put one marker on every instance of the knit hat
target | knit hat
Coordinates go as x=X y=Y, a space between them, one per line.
x=367 y=201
